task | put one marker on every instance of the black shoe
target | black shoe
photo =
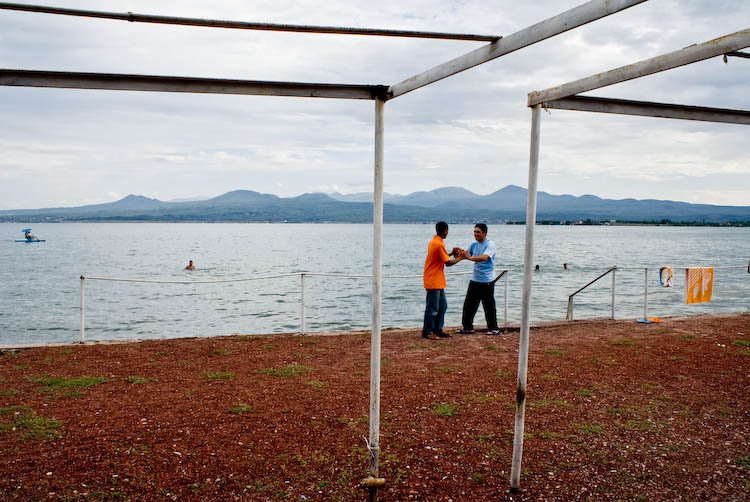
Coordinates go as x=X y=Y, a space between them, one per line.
x=429 y=336
x=494 y=332
x=464 y=331
x=442 y=334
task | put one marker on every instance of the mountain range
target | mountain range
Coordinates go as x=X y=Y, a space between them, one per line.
x=452 y=204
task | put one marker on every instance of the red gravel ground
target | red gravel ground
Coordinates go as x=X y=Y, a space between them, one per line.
x=615 y=411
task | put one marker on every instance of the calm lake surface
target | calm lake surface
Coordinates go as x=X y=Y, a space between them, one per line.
x=40 y=285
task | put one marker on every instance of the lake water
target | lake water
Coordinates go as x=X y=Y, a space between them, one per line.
x=40 y=285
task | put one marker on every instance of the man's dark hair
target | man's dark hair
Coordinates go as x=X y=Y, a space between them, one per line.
x=441 y=227
x=482 y=227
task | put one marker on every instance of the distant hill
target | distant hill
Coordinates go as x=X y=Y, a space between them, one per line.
x=452 y=204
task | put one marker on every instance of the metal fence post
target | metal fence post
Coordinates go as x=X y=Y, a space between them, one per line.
x=82 y=312
x=303 y=327
x=614 y=269
x=645 y=293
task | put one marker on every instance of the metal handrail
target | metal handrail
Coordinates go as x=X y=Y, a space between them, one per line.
x=612 y=269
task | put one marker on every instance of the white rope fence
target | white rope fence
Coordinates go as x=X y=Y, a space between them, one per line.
x=301 y=275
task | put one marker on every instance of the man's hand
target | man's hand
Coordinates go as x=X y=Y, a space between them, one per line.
x=456 y=251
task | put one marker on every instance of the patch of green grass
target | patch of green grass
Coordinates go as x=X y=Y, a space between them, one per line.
x=556 y=352
x=31 y=425
x=491 y=348
x=744 y=461
x=139 y=380
x=741 y=343
x=543 y=403
x=221 y=351
x=269 y=346
x=477 y=477
x=550 y=435
x=219 y=375
x=638 y=425
x=449 y=369
x=485 y=438
x=53 y=382
x=504 y=374
x=444 y=410
x=549 y=377
x=480 y=397
x=306 y=341
x=624 y=342
x=745 y=352
x=586 y=392
x=317 y=384
x=241 y=408
x=288 y=371
x=590 y=428
x=688 y=337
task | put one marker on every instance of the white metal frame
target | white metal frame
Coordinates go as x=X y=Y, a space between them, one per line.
x=565 y=97
x=568 y=20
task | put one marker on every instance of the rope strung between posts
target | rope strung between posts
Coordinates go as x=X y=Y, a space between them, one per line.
x=248 y=279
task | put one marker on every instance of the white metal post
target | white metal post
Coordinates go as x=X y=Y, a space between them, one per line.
x=302 y=328
x=645 y=293
x=613 y=294
x=377 y=272
x=523 y=339
x=82 y=314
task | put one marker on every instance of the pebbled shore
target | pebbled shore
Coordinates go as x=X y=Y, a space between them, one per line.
x=616 y=410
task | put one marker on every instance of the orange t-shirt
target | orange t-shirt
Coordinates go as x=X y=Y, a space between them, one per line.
x=434 y=264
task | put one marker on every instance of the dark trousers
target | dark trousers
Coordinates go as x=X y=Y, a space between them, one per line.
x=434 y=311
x=480 y=292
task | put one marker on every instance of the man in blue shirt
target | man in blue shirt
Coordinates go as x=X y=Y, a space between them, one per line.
x=482 y=285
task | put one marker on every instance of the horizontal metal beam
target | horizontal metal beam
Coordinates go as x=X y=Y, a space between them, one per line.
x=573 y=18
x=649 y=109
x=121 y=82
x=241 y=25
x=688 y=55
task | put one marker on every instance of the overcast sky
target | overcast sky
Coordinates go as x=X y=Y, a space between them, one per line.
x=65 y=147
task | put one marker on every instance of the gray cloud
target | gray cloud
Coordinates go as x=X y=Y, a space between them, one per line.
x=69 y=147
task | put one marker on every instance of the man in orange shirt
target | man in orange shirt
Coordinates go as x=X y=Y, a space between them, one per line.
x=434 y=282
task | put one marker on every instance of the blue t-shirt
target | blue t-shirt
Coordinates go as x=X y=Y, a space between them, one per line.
x=484 y=271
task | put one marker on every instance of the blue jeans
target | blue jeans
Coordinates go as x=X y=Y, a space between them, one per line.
x=434 y=311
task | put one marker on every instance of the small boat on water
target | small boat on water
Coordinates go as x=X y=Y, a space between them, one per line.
x=29 y=238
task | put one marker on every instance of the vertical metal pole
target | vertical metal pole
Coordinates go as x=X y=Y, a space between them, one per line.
x=523 y=339
x=377 y=272
x=82 y=313
x=505 y=322
x=613 y=294
x=645 y=293
x=302 y=303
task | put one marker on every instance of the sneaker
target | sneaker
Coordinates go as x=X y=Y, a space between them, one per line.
x=494 y=332
x=442 y=334
x=430 y=336
x=464 y=331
